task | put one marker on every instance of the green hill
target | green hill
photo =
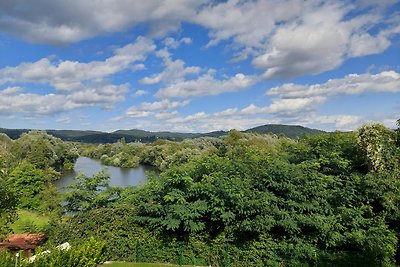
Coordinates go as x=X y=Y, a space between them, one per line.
x=135 y=135
x=290 y=131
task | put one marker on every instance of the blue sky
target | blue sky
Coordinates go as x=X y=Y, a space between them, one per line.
x=198 y=65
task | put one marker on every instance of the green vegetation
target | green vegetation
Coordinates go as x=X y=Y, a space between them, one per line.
x=135 y=135
x=90 y=193
x=87 y=254
x=30 y=222
x=243 y=199
x=129 y=264
x=290 y=131
x=8 y=204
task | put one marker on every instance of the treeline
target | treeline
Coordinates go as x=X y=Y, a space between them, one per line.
x=28 y=168
x=97 y=137
x=253 y=200
x=161 y=154
x=245 y=200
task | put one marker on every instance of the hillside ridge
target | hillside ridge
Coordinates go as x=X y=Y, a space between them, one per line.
x=137 y=135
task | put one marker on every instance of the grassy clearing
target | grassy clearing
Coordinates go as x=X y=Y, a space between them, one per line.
x=129 y=264
x=29 y=222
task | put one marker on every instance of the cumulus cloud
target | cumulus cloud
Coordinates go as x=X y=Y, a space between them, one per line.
x=385 y=81
x=149 y=108
x=76 y=84
x=242 y=119
x=291 y=99
x=140 y=93
x=70 y=75
x=176 y=83
x=34 y=104
x=207 y=84
x=174 y=43
x=63 y=22
x=248 y=23
x=307 y=38
x=106 y=95
x=15 y=100
x=174 y=71
x=290 y=105
x=231 y=118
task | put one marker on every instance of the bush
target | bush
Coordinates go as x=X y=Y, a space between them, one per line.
x=87 y=254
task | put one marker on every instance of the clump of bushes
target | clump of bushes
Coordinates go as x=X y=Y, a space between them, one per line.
x=87 y=254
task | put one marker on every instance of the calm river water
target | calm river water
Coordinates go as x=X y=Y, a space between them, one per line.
x=122 y=177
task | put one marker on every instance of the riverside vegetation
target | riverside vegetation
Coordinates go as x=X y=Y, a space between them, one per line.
x=239 y=200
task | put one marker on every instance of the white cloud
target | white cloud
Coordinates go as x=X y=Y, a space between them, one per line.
x=251 y=116
x=174 y=43
x=133 y=113
x=164 y=104
x=253 y=109
x=140 y=93
x=310 y=37
x=207 y=84
x=294 y=99
x=106 y=95
x=175 y=71
x=176 y=83
x=11 y=90
x=138 y=67
x=14 y=100
x=365 y=44
x=164 y=115
x=63 y=22
x=34 y=104
x=76 y=84
x=70 y=75
x=146 y=109
x=386 y=81
x=307 y=38
x=248 y=23
x=291 y=105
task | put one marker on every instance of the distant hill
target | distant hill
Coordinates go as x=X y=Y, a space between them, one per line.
x=135 y=135
x=163 y=135
x=290 y=131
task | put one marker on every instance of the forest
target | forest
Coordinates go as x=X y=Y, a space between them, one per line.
x=242 y=199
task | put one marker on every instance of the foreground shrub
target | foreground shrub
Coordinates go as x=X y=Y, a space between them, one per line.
x=87 y=254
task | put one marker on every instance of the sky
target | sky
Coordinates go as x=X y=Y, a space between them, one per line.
x=198 y=65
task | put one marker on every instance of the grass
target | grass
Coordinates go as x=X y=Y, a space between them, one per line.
x=129 y=264
x=29 y=222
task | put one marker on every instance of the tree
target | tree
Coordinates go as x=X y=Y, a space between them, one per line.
x=8 y=203
x=90 y=193
x=378 y=144
x=29 y=182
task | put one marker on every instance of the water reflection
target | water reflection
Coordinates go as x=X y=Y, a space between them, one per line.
x=122 y=177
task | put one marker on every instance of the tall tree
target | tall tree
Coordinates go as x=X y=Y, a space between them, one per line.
x=378 y=144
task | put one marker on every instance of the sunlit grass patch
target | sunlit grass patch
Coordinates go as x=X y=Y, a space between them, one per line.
x=29 y=222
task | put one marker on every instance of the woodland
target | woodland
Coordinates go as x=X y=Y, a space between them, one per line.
x=241 y=199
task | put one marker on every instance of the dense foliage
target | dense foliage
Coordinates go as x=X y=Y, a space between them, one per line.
x=134 y=135
x=8 y=202
x=240 y=200
x=87 y=254
x=30 y=165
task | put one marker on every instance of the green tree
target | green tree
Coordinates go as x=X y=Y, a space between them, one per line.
x=90 y=193
x=44 y=151
x=378 y=144
x=29 y=182
x=8 y=203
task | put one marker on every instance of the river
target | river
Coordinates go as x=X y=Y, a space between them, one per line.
x=122 y=177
